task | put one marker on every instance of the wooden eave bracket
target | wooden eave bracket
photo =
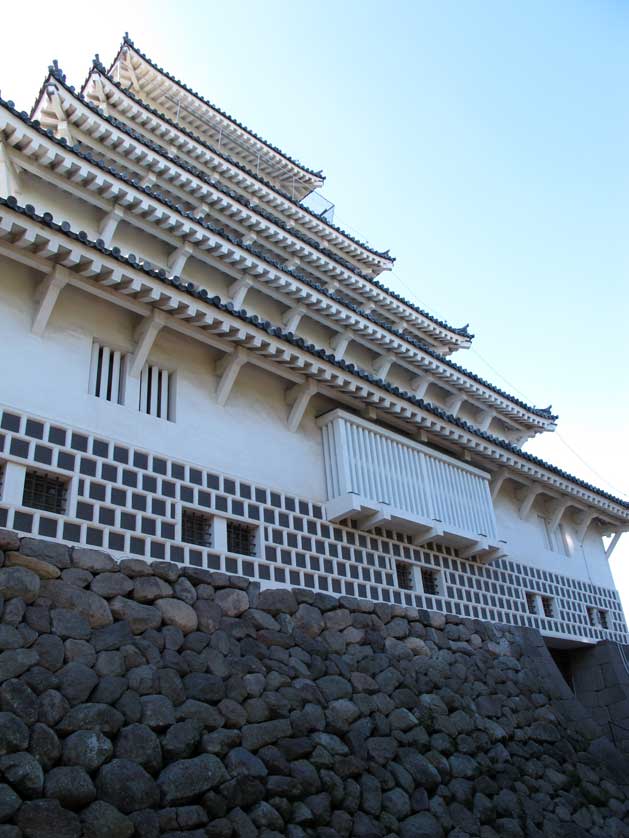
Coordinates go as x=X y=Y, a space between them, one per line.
x=454 y=404
x=178 y=259
x=375 y=519
x=613 y=543
x=292 y=318
x=583 y=525
x=429 y=534
x=486 y=419
x=228 y=369
x=298 y=398
x=238 y=291
x=9 y=177
x=497 y=482
x=109 y=223
x=557 y=513
x=145 y=336
x=382 y=365
x=339 y=344
x=529 y=499
x=46 y=296
x=420 y=385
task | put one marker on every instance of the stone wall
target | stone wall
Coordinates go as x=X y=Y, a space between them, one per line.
x=601 y=681
x=155 y=700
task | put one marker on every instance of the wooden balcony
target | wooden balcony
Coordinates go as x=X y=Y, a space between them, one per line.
x=383 y=479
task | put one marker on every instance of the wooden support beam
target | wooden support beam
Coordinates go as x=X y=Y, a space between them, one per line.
x=474 y=548
x=420 y=385
x=228 y=369
x=46 y=296
x=109 y=223
x=485 y=420
x=496 y=482
x=238 y=291
x=375 y=519
x=492 y=555
x=557 y=513
x=299 y=398
x=9 y=179
x=529 y=499
x=145 y=336
x=292 y=318
x=427 y=535
x=613 y=543
x=382 y=365
x=178 y=259
x=454 y=403
x=584 y=525
x=339 y=344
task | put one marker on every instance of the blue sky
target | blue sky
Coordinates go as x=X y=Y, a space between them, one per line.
x=484 y=143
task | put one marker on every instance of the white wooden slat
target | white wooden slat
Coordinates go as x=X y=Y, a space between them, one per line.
x=115 y=377
x=381 y=467
x=164 y=395
x=143 y=389
x=104 y=372
x=93 y=369
x=154 y=394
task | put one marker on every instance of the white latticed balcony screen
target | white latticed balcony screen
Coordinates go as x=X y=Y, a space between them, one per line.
x=377 y=473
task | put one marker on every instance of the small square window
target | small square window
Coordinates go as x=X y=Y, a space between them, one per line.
x=548 y=606
x=107 y=374
x=241 y=539
x=157 y=392
x=430 y=581
x=404 y=576
x=196 y=528
x=44 y=491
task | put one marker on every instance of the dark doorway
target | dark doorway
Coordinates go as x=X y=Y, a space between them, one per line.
x=563 y=659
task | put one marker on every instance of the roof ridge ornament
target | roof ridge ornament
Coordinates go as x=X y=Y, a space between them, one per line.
x=97 y=63
x=55 y=70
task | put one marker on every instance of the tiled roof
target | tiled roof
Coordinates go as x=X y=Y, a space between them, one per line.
x=201 y=294
x=272 y=186
x=126 y=41
x=60 y=77
x=258 y=253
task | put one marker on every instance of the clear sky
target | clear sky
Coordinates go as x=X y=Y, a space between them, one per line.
x=484 y=143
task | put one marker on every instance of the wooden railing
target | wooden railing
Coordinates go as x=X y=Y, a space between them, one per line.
x=376 y=475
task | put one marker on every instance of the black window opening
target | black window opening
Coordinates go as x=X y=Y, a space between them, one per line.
x=43 y=491
x=548 y=606
x=107 y=374
x=196 y=528
x=531 y=603
x=156 y=393
x=430 y=582
x=241 y=539
x=404 y=576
